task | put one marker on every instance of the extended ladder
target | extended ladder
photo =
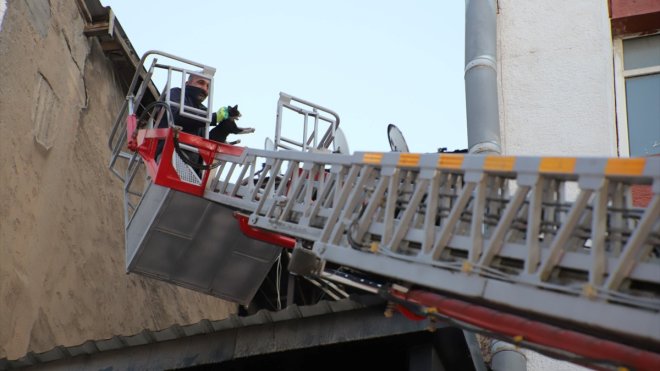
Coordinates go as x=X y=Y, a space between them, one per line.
x=554 y=238
x=502 y=229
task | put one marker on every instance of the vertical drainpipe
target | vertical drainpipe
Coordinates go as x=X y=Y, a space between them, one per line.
x=483 y=119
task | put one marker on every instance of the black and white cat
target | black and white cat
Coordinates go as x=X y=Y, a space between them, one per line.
x=227 y=117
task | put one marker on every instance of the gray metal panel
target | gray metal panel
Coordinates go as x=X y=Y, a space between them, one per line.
x=144 y=215
x=197 y=244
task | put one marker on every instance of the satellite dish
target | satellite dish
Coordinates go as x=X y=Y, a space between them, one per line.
x=269 y=145
x=339 y=143
x=397 y=141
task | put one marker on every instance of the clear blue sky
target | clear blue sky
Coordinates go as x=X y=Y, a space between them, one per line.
x=373 y=62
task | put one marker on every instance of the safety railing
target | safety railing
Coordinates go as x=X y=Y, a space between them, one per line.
x=318 y=128
x=133 y=106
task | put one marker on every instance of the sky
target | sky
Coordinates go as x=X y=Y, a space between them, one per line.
x=373 y=62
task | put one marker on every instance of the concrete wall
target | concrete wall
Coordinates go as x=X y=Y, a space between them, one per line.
x=3 y=9
x=556 y=78
x=556 y=89
x=62 y=277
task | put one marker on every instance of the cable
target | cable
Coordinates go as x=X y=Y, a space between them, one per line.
x=141 y=120
x=349 y=236
x=187 y=160
x=278 y=276
x=320 y=285
x=184 y=157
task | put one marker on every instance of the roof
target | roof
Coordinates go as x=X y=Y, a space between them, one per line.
x=216 y=341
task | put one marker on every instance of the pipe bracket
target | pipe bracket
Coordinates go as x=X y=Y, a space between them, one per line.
x=482 y=60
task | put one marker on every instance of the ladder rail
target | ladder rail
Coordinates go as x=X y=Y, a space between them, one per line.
x=530 y=233
x=311 y=140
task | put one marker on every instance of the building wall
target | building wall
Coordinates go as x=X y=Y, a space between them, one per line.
x=556 y=89
x=3 y=9
x=62 y=276
x=556 y=78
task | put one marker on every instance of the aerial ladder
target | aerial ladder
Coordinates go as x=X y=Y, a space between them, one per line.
x=547 y=253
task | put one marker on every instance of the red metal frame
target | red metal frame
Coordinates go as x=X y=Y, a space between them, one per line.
x=534 y=332
x=145 y=142
x=261 y=235
x=131 y=126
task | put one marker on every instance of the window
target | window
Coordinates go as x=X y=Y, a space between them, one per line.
x=43 y=111
x=641 y=95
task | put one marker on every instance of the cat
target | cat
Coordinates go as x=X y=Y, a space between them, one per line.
x=228 y=125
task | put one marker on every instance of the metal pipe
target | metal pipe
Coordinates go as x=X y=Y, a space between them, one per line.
x=576 y=346
x=482 y=110
x=506 y=357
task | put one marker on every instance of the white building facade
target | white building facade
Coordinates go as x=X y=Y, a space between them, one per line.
x=579 y=78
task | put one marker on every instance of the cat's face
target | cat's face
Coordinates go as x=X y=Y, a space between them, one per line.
x=234 y=113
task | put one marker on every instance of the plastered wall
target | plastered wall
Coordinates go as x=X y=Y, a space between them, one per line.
x=62 y=275
x=556 y=78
